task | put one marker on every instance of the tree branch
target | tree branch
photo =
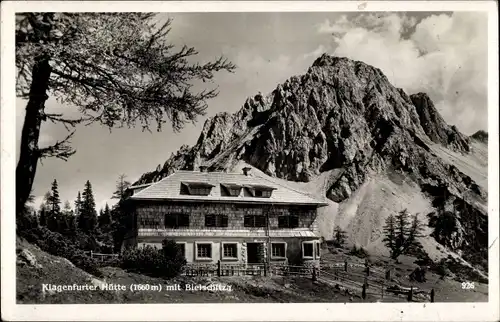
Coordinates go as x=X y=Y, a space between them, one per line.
x=60 y=149
x=66 y=122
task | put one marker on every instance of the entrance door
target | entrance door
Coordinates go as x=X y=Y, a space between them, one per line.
x=255 y=253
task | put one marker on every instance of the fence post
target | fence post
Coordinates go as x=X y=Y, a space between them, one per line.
x=432 y=296
x=363 y=293
x=314 y=277
x=410 y=294
x=218 y=268
x=388 y=274
x=367 y=270
x=382 y=290
x=345 y=265
x=366 y=281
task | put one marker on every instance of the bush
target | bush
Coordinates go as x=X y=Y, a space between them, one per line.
x=58 y=245
x=358 y=252
x=166 y=262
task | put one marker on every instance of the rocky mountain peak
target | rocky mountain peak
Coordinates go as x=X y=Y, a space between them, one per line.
x=434 y=125
x=340 y=114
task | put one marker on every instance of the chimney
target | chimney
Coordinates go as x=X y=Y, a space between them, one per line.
x=203 y=168
x=246 y=170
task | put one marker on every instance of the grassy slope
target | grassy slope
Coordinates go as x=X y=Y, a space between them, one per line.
x=446 y=290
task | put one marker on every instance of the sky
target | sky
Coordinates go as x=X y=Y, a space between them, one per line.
x=442 y=54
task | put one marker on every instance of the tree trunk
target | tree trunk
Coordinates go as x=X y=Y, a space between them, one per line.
x=29 y=153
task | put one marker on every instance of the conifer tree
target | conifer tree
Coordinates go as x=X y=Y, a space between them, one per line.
x=116 y=69
x=121 y=186
x=53 y=204
x=339 y=236
x=105 y=217
x=120 y=224
x=390 y=234
x=87 y=219
x=401 y=234
x=78 y=203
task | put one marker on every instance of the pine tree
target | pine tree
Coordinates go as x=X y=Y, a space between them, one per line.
x=401 y=234
x=105 y=217
x=54 y=201
x=54 y=208
x=401 y=229
x=78 y=204
x=118 y=213
x=116 y=69
x=390 y=235
x=87 y=219
x=339 y=236
x=121 y=187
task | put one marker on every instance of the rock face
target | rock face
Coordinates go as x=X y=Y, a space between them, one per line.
x=481 y=136
x=345 y=115
x=435 y=127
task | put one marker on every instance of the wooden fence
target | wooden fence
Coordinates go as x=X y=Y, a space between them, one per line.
x=220 y=269
x=368 y=282
x=371 y=281
x=102 y=257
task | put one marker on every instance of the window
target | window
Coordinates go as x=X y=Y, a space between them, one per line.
x=151 y=223
x=230 y=250
x=204 y=251
x=308 y=250
x=278 y=250
x=263 y=193
x=288 y=221
x=216 y=220
x=176 y=220
x=260 y=191
x=254 y=221
x=232 y=190
x=196 y=188
x=200 y=191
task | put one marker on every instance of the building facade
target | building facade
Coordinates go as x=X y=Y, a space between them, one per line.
x=234 y=218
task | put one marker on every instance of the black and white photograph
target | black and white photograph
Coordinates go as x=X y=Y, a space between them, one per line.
x=185 y=153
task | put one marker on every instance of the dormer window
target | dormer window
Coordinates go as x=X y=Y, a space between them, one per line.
x=196 y=188
x=230 y=190
x=260 y=191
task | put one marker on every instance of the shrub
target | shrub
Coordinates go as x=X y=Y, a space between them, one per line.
x=58 y=245
x=166 y=262
x=358 y=252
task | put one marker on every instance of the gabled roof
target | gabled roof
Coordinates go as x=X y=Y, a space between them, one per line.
x=169 y=188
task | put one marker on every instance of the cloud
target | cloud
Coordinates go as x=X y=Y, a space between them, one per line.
x=442 y=55
x=316 y=53
x=257 y=72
